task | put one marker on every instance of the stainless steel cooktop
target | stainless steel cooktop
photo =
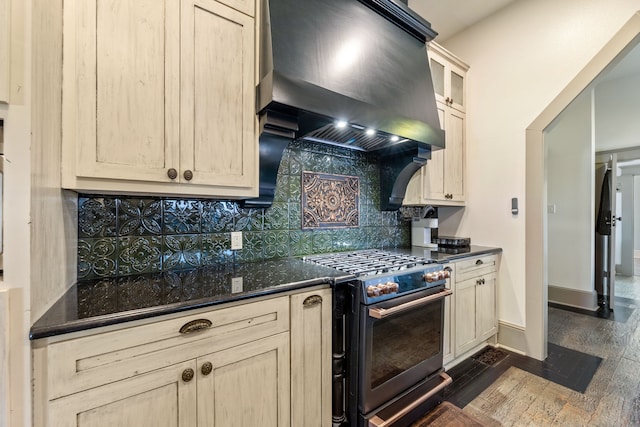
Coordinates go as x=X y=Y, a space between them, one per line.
x=368 y=261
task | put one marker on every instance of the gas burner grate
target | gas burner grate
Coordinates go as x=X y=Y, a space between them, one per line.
x=367 y=262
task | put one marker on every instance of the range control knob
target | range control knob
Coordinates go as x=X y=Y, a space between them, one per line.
x=382 y=289
x=434 y=276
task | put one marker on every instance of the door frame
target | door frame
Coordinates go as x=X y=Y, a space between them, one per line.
x=536 y=268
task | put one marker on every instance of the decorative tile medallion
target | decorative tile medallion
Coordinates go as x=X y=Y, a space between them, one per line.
x=330 y=201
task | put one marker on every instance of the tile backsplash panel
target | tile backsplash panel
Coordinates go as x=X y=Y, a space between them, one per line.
x=121 y=235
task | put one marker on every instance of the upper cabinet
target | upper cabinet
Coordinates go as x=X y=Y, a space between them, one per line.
x=441 y=181
x=448 y=73
x=159 y=97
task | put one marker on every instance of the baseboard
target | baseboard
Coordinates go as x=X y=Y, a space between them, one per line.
x=587 y=300
x=512 y=337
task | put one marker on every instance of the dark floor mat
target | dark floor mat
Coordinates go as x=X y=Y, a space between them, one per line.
x=490 y=356
x=570 y=368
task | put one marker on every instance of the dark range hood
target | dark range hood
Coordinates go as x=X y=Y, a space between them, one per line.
x=353 y=73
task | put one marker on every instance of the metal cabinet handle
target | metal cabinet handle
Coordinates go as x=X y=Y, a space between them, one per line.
x=479 y=262
x=172 y=173
x=376 y=421
x=381 y=313
x=188 y=175
x=206 y=368
x=187 y=375
x=479 y=282
x=195 y=325
x=312 y=300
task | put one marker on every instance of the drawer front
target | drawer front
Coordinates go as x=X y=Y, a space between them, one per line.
x=477 y=266
x=83 y=363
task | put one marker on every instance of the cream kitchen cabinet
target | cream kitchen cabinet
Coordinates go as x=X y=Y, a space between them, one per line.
x=311 y=358
x=441 y=181
x=448 y=73
x=475 y=302
x=159 y=97
x=230 y=366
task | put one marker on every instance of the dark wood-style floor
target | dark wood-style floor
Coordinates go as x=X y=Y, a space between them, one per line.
x=591 y=378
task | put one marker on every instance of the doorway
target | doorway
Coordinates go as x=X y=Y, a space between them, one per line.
x=536 y=237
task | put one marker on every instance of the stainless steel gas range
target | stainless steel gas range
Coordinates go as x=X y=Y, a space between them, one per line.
x=387 y=337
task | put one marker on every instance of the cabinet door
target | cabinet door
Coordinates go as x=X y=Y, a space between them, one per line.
x=444 y=173
x=454 y=155
x=158 y=398
x=486 y=307
x=311 y=359
x=218 y=120
x=121 y=89
x=448 y=74
x=434 y=185
x=247 y=386
x=465 y=314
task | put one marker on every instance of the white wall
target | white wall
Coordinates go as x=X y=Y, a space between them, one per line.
x=521 y=58
x=570 y=169
x=636 y=210
x=617 y=109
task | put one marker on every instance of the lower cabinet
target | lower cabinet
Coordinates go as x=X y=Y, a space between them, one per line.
x=245 y=386
x=157 y=398
x=262 y=364
x=471 y=312
x=475 y=311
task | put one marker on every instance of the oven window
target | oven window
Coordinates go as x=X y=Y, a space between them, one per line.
x=402 y=341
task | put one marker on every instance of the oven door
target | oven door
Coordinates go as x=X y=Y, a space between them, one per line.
x=401 y=343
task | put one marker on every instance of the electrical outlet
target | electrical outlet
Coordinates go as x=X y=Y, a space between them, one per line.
x=236 y=240
x=236 y=285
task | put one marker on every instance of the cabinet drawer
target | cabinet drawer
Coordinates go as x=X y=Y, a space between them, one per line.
x=83 y=363
x=477 y=266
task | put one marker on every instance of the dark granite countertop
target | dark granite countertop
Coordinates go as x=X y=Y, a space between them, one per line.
x=443 y=255
x=101 y=302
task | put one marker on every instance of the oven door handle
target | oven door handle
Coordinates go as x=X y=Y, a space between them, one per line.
x=381 y=313
x=376 y=421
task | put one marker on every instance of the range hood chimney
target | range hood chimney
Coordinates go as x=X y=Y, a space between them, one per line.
x=353 y=73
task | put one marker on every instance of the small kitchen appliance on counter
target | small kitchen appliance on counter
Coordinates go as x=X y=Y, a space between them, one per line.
x=424 y=228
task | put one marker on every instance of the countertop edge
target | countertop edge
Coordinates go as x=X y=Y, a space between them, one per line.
x=36 y=333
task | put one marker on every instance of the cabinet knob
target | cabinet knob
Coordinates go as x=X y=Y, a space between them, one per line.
x=206 y=368
x=172 y=173
x=188 y=175
x=187 y=375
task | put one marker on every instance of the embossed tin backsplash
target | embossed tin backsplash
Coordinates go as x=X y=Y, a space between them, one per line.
x=121 y=236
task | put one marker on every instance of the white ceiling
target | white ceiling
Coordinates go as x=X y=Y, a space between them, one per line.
x=448 y=17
